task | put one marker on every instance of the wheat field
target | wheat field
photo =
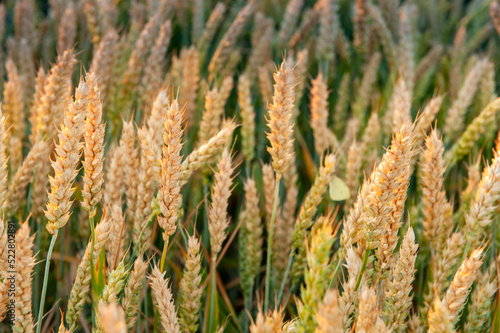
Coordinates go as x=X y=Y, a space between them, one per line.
x=260 y=166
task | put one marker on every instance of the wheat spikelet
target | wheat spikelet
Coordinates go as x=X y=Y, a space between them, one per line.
x=81 y=286
x=102 y=61
x=318 y=258
x=190 y=80
x=437 y=210
x=478 y=219
x=23 y=176
x=213 y=23
x=455 y=118
x=265 y=86
x=251 y=239
x=319 y=114
x=368 y=311
x=24 y=264
x=67 y=29
x=190 y=287
x=387 y=192
x=285 y=223
x=406 y=48
x=472 y=133
x=340 y=115
x=224 y=48
x=145 y=190
x=40 y=81
x=289 y=21
x=13 y=108
x=481 y=299
x=486 y=91
x=130 y=165
x=269 y=182
x=163 y=301
x=151 y=80
x=132 y=294
x=365 y=89
x=157 y=117
x=440 y=320
x=115 y=284
x=115 y=184
x=308 y=210
x=371 y=136
x=414 y=324
x=201 y=155
x=349 y=299
x=217 y=213
x=92 y=12
x=389 y=240
x=424 y=121
x=400 y=105
x=212 y=115
x=94 y=148
x=36 y=102
x=328 y=314
x=309 y=21
x=117 y=232
x=445 y=263
x=328 y=30
x=397 y=298
x=66 y=161
x=280 y=113
x=247 y=114
x=262 y=38
x=136 y=62
x=269 y=323
x=171 y=170
x=112 y=318
x=54 y=97
x=456 y=295
x=385 y=35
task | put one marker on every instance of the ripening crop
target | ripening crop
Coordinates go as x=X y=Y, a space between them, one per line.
x=262 y=166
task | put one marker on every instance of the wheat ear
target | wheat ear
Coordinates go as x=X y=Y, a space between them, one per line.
x=316 y=275
x=66 y=161
x=171 y=170
x=328 y=315
x=132 y=294
x=163 y=301
x=25 y=262
x=456 y=295
x=94 y=148
x=190 y=288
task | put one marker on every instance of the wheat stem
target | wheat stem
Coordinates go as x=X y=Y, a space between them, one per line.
x=46 y=280
x=363 y=267
x=270 y=244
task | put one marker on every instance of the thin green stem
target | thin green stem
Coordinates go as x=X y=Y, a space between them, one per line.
x=285 y=278
x=363 y=268
x=270 y=244
x=212 y=294
x=36 y=282
x=335 y=273
x=92 y=267
x=163 y=256
x=45 y=281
